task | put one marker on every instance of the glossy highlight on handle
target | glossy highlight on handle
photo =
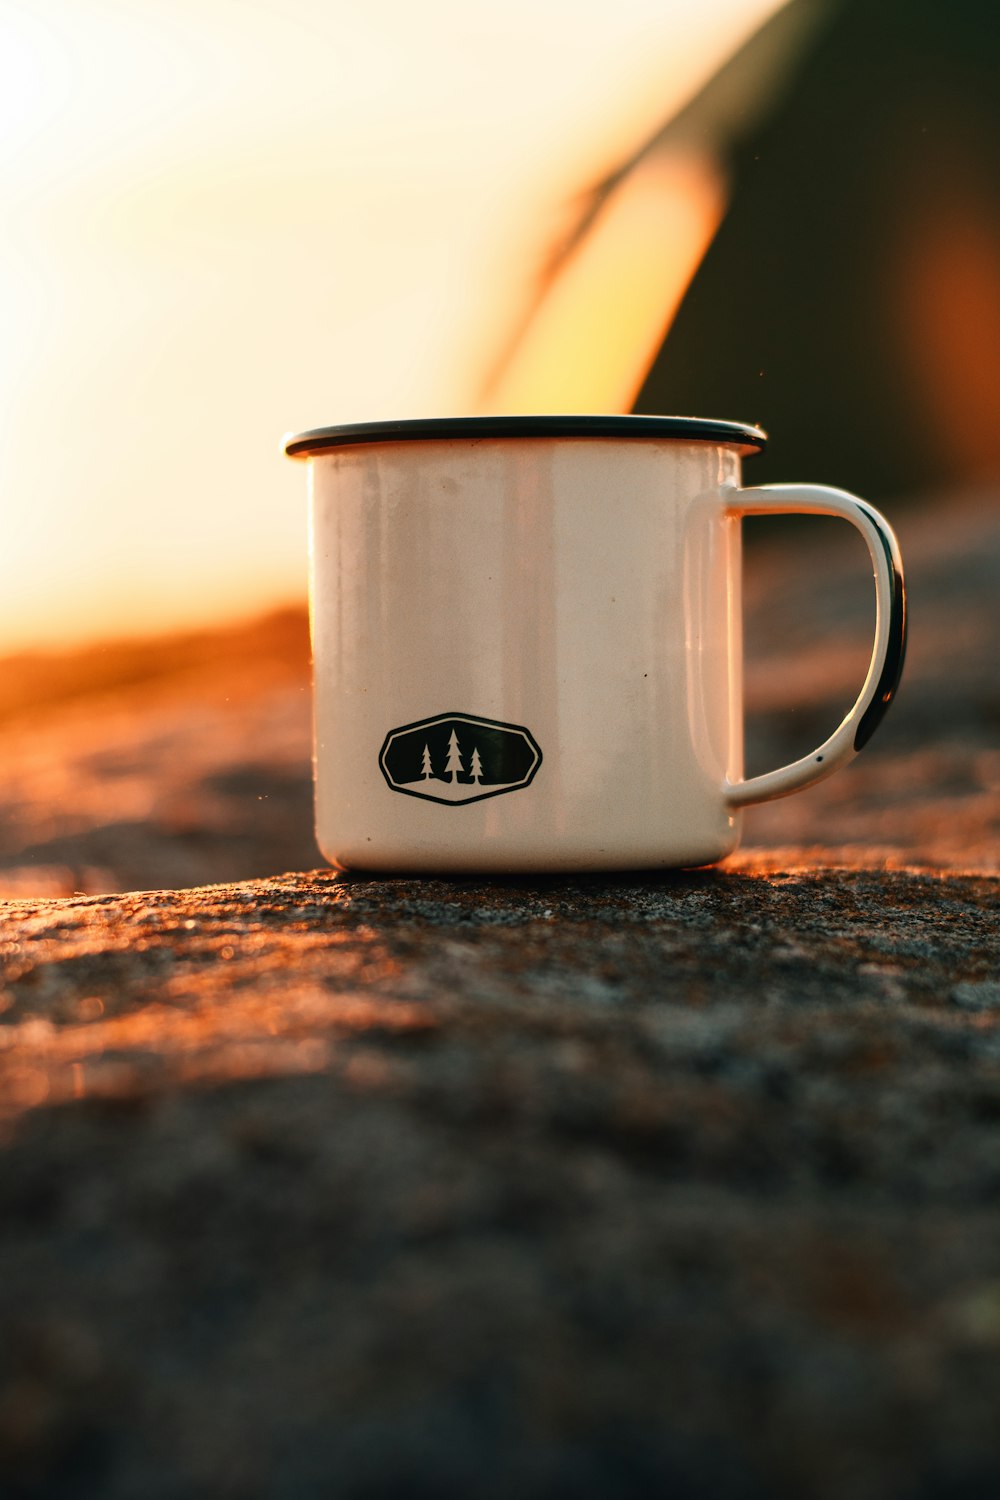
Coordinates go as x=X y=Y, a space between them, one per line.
x=888 y=651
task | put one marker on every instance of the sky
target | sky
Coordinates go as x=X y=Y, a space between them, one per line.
x=221 y=220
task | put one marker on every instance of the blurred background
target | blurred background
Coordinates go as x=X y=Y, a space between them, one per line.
x=222 y=221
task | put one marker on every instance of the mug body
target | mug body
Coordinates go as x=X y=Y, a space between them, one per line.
x=527 y=649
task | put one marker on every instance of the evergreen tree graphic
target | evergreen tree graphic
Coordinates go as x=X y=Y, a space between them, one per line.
x=454 y=757
x=428 y=759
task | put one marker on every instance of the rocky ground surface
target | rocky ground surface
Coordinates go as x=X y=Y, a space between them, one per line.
x=680 y=1185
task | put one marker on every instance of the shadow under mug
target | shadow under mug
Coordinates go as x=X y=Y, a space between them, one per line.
x=527 y=641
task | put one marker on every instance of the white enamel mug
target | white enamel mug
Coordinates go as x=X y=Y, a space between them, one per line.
x=527 y=641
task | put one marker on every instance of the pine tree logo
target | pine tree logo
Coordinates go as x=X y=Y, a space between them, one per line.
x=454 y=757
x=457 y=758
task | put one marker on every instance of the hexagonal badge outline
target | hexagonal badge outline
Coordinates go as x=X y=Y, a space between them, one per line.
x=462 y=719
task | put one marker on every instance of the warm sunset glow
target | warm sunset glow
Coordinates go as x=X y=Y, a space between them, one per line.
x=949 y=312
x=597 y=331
x=222 y=221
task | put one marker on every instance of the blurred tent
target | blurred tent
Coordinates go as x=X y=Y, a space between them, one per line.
x=849 y=300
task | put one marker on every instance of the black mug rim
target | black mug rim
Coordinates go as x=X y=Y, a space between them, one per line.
x=741 y=435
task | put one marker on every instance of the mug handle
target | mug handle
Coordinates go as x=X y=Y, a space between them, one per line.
x=890 y=632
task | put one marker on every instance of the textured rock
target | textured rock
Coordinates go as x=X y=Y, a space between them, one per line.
x=682 y=1186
